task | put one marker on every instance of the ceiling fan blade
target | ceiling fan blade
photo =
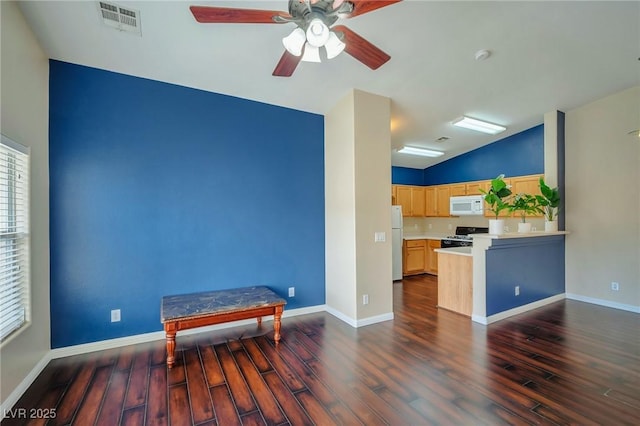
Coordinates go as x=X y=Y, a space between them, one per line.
x=209 y=15
x=287 y=65
x=363 y=6
x=361 y=49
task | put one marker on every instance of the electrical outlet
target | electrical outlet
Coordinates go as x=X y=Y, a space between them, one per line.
x=365 y=299
x=115 y=315
x=615 y=286
x=292 y=291
x=430 y=226
x=450 y=227
x=517 y=290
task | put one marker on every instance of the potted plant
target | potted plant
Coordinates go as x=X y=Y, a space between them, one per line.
x=495 y=197
x=550 y=203
x=523 y=205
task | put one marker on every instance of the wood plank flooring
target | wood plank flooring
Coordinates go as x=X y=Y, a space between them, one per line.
x=567 y=363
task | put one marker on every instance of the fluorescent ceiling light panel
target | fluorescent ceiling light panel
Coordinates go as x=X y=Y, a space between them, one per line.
x=412 y=150
x=479 y=125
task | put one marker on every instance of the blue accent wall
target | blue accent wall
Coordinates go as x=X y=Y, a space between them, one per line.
x=517 y=155
x=157 y=189
x=536 y=264
x=407 y=176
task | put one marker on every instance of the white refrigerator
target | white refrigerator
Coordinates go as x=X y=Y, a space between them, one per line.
x=396 y=241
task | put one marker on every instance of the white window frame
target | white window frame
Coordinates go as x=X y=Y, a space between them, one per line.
x=15 y=283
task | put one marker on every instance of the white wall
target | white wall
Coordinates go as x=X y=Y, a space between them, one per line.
x=339 y=207
x=357 y=204
x=25 y=108
x=373 y=204
x=603 y=200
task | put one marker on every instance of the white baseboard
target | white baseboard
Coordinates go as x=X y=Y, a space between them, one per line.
x=602 y=302
x=359 y=323
x=14 y=396
x=515 y=311
x=342 y=317
x=375 y=319
x=159 y=335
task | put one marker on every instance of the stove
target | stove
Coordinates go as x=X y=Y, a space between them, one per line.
x=462 y=238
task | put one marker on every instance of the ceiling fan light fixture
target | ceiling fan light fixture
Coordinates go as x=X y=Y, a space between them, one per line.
x=294 y=42
x=423 y=152
x=334 y=46
x=317 y=32
x=479 y=125
x=311 y=53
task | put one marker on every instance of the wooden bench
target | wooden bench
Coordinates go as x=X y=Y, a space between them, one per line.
x=185 y=311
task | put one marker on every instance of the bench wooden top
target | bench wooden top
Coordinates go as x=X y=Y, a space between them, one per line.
x=217 y=302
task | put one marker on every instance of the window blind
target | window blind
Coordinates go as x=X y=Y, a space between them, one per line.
x=14 y=237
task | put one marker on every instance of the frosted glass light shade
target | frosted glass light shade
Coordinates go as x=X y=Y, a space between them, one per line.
x=333 y=46
x=294 y=42
x=311 y=53
x=317 y=33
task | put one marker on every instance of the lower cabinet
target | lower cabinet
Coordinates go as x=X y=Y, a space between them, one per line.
x=415 y=257
x=419 y=257
x=432 y=257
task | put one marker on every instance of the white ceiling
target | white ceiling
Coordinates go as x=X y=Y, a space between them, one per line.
x=545 y=56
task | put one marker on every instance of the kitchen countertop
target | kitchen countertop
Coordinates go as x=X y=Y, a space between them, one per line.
x=427 y=236
x=520 y=235
x=459 y=251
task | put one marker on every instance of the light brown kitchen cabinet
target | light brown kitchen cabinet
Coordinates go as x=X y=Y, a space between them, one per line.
x=437 y=200
x=473 y=188
x=526 y=184
x=432 y=257
x=430 y=201
x=414 y=257
x=458 y=189
x=443 y=193
x=412 y=200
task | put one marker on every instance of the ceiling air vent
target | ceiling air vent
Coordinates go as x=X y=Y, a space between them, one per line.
x=120 y=18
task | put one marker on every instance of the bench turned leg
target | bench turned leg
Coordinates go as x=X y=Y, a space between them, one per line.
x=276 y=323
x=171 y=346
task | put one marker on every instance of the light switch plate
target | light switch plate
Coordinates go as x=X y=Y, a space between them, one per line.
x=380 y=237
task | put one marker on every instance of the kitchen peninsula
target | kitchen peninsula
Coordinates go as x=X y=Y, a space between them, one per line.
x=455 y=291
x=502 y=275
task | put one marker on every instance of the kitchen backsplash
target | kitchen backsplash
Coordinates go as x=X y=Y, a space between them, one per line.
x=447 y=225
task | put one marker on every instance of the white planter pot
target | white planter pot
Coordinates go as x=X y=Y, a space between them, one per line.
x=550 y=226
x=496 y=226
x=524 y=227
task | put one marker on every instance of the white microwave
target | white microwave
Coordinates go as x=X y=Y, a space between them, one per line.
x=468 y=205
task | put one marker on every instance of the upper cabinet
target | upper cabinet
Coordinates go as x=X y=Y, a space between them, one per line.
x=526 y=184
x=433 y=201
x=473 y=188
x=411 y=198
x=437 y=200
x=458 y=189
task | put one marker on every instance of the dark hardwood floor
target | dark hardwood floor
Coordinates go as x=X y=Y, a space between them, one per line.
x=567 y=363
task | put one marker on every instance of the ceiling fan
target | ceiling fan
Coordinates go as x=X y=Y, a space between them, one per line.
x=314 y=20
